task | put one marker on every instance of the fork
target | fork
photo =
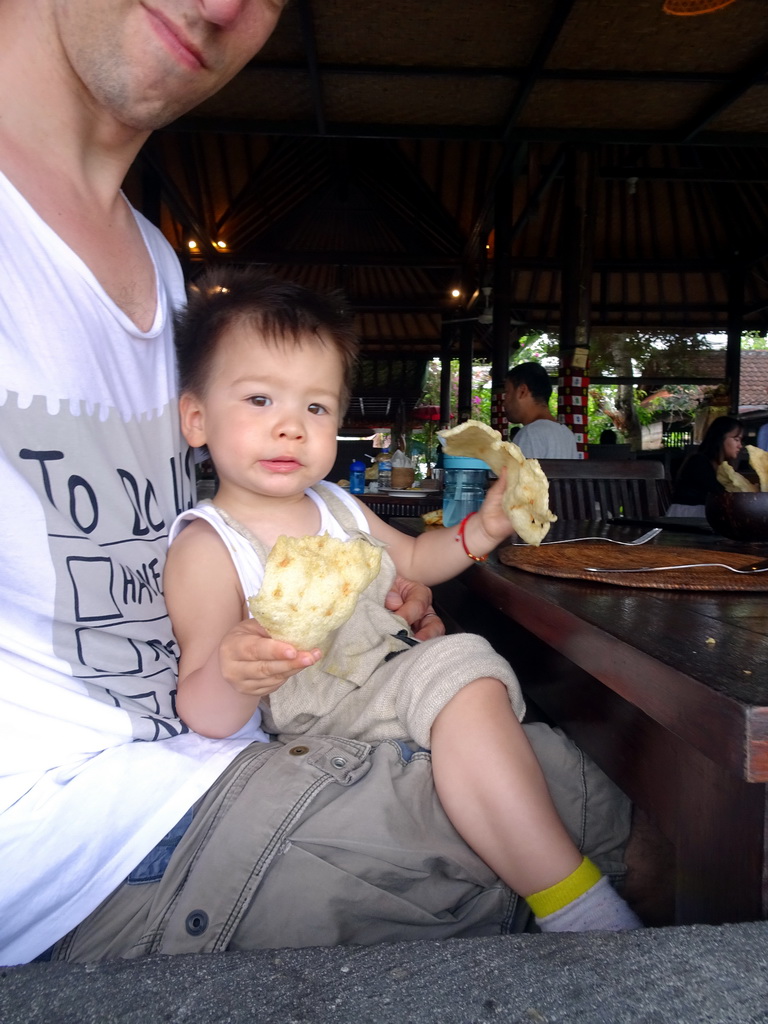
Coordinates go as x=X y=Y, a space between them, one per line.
x=626 y=543
x=748 y=570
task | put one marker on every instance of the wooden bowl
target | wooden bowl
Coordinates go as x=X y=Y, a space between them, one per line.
x=738 y=515
x=402 y=477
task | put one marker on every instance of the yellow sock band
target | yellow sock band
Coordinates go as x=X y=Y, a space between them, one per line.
x=566 y=891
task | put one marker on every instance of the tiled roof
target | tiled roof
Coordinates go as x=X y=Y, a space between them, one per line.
x=753 y=383
x=754 y=379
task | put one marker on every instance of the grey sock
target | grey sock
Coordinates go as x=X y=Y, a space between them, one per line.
x=598 y=909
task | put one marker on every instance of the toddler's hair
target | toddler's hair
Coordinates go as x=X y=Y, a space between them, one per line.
x=278 y=310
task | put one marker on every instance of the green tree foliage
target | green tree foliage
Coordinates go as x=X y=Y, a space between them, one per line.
x=623 y=408
x=481 y=392
x=754 y=341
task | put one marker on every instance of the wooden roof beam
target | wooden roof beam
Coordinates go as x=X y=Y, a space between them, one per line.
x=660 y=77
x=628 y=308
x=560 y=12
x=460 y=132
x=427 y=261
x=399 y=304
x=724 y=176
x=175 y=201
x=329 y=258
x=739 y=84
x=309 y=38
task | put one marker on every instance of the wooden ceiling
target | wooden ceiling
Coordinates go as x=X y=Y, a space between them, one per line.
x=398 y=150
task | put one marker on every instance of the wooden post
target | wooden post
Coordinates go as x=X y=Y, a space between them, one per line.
x=466 y=331
x=445 y=375
x=576 y=298
x=502 y=298
x=736 y=280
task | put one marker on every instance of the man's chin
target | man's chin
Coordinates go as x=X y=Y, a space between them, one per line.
x=149 y=120
x=149 y=107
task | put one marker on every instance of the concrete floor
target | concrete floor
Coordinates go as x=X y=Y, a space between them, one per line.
x=687 y=975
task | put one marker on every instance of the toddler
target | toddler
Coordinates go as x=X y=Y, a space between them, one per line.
x=265 y=370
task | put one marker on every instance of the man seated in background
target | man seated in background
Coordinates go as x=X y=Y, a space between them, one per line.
x=527 y=390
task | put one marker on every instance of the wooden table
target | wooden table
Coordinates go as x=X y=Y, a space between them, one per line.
x=666 y=690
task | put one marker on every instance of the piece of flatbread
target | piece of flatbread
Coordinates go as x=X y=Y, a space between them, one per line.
x=434 y=518
x=526 y=496
x=311 y=586
x=733 y=481
x=758 y=460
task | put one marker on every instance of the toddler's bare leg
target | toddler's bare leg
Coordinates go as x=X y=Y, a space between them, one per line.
x=494 y=792
x=492 y=788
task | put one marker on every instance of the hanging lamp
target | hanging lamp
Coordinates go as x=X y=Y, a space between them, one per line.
x=694 y=6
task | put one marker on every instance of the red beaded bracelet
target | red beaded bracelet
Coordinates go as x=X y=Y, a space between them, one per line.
x=460 y=536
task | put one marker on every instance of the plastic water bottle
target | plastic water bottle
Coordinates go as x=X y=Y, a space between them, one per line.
x=385 y=471
x=464 y=484
x=357 y=477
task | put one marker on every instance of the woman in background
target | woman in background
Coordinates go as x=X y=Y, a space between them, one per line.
x=697 y=478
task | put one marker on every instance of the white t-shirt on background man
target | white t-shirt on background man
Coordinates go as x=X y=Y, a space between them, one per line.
x=547 y=439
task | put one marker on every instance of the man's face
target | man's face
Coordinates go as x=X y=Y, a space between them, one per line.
x=512 y=401
x=147 y=62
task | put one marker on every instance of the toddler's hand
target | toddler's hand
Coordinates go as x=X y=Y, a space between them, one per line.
x=492 y=517
x=253 y=663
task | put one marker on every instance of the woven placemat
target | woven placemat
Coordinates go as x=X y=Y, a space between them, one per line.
x=570 y=561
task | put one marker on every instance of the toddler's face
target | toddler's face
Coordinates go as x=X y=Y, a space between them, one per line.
x=271 y=412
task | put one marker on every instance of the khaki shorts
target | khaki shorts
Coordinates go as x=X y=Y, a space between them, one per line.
x=324 y=841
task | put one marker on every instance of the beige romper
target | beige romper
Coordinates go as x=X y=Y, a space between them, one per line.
x=375 y=682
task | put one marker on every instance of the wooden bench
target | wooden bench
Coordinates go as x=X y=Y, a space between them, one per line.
x=604 y=489
x=388 y=505
x=577 y=490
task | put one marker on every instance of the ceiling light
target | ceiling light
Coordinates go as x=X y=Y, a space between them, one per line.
x=192 y=243
x=694 y=6
x=455 y=293
x=221 y=245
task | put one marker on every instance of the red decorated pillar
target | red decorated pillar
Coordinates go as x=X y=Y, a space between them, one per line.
x=573 y=396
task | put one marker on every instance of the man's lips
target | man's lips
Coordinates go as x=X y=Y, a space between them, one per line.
x=175 y=41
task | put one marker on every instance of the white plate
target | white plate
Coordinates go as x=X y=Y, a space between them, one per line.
x=403 y=494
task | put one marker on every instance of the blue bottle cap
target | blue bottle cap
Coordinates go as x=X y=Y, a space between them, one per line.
x=463 y=462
